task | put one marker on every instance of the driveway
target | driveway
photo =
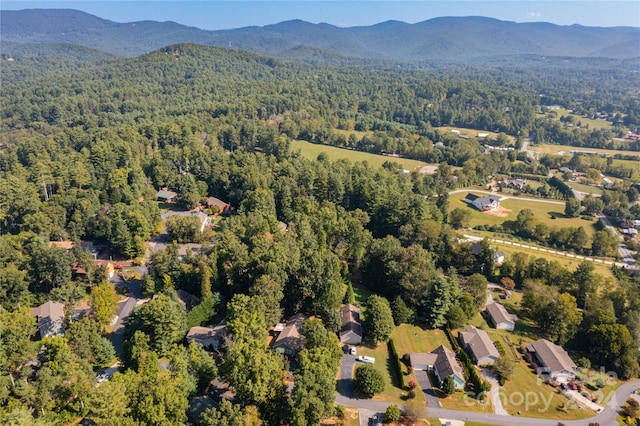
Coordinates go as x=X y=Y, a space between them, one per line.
x=117 y=336
x=495 y=392
x=425 y=384
x=346 y=375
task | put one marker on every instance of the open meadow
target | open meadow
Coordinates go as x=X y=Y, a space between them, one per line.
x=566 y=150
x=311 y=151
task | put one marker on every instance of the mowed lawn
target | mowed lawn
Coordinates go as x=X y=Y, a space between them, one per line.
x=593 y=123
x=311 y=151
x=393 y=392
x=411 y=338
x=550 y=213
x=471 y=133
x=566 y=150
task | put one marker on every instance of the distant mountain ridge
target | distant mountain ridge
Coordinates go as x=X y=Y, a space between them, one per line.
x=440 y=39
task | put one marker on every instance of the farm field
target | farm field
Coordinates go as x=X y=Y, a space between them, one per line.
x=566 y=150
x=471 y=133
x=593 y=124
x=311 y=151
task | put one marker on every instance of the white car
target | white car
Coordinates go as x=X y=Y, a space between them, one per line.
x=366 y=359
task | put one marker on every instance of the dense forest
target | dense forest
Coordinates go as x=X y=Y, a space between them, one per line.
x=85 y=146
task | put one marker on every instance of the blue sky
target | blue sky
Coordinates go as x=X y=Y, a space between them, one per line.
x=214 y=15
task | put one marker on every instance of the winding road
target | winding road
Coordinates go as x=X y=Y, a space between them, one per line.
x=607 y=417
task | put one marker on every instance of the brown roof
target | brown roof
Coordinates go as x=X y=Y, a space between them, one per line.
x=65 y=245
x=498 y=313
x=206 y=333
x=446 y=363
x=290 y=336
x=422 y=358
x=350 y=320
x=551 y=356
x=213 y=201
x=478 y=342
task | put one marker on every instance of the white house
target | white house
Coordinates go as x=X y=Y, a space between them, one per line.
x=483 y=204
x=499 y=317
x=551 y=361
x=478 y=344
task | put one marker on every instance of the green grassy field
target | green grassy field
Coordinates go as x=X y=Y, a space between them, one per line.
x=546 y=212
x=410 y=338
x=566 y=150
x=311 y=151
x=585 y=188
x=471 y=133
x=593 y=124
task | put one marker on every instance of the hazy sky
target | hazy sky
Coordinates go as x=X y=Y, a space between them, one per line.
x=233 y=14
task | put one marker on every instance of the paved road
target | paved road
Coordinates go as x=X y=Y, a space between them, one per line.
x=605 y=418
x=629 y=261
x=124 y=309
x=550 y=251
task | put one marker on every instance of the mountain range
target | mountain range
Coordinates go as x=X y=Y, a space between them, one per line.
x=447 y=39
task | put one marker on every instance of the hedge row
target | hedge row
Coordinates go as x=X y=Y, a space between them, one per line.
x=564 y=189
x=395 y=361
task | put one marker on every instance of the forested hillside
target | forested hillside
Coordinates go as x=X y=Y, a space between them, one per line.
x=448 y=39
x=86 y=146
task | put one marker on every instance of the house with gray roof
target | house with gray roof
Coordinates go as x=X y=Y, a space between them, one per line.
x=479 y=346
x=290 y=341
x=499 y=317
x=209 y=338
x=350 y=328
x=424 y=361
x=551 y=361
x=483 y=204
x=446 y=365
x=50 y=317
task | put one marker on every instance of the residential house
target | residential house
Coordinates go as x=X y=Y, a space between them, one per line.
x=290 y=341
x=478 y=344
x=565 y=170
x=499 y=317
x=446 y=365
x=165 y=195
x=350 y=329
x=50 y=318
x=498 y=257
x=188 y=300
x=221 y=206
x=422 y=361
x=483 y=204
x=551 y=361
x=631 y=232
x=483 y=135
x=209 y=338
x=197 y=406
x=513 y=183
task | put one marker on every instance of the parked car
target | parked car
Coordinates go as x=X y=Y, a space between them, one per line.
x=366 y=359
x=351 y=350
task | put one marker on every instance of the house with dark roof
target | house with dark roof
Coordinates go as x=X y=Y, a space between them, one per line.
x=446 y=365
x=483 y=204
x=499 y=317
x=513 y=183
x=209 y=338
x=350 y=328
x=551 y=361
x=479 y=346
x=290 y=341
x=50 y=318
